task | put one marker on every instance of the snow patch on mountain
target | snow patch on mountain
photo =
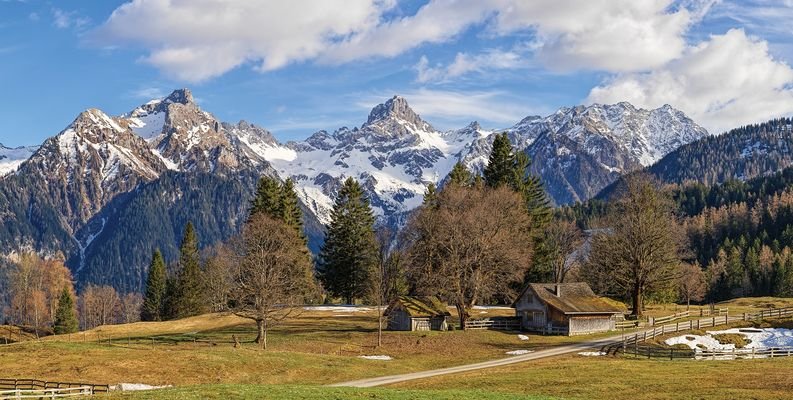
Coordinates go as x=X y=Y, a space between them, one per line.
x=12 y=158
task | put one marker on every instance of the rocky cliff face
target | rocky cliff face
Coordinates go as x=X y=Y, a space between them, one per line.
x=107 y=190
x=578 y=151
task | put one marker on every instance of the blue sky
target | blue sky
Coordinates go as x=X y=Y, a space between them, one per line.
x=300 y=66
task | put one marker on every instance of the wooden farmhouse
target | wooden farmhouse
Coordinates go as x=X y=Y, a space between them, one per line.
x=565 y=308
x=417 y=314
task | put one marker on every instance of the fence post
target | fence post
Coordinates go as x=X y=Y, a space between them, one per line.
x=671 y=354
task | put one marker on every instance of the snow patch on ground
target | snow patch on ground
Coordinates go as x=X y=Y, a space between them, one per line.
x=519 y=352
x=591 y=353
x=761 y=338
x=381 y=358
x=338 y=308
x=492 y=308
x=126 y=387
x=523 y=337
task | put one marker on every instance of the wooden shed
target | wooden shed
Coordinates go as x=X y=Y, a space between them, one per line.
x=565 y=308
x=417 y=314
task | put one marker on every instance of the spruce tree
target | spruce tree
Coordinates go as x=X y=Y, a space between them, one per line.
x=154 y=298
x=430 y=196
x=268 y=198
x=65 y=318
x=188 y=299
x=349 y=255
x=460 y=175
x=508 y=167
x=501 y=164
x=290 y=207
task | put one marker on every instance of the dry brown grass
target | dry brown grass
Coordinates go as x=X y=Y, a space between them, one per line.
x=317 y=347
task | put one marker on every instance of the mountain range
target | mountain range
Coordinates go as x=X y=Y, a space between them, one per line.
x=107 y=190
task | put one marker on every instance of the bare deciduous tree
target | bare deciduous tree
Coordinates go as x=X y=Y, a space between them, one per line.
x=468 y=245
x=274 y=276
x=692 y=283
x=131 y=304
x=35 y=285
x=218 y=277
x=562 y=239
x=99 y=305
x=641 y=251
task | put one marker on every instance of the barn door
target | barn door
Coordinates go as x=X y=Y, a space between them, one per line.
x=422 y=325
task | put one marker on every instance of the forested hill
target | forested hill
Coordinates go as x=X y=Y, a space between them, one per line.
x=740 y=232
x=742 y=153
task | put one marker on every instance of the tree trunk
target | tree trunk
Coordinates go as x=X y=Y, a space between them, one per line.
x=688 y=303
x=637 y=301
x=463 y=315
x=380 y=326
x=261 y=337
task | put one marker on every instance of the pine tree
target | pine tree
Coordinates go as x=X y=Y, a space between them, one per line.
x=349 y=254
x=290 y=207
x=430 y=196
x=507 y=167
x=188 y=299
x=500 y=166
x=65 y=318
x=154 y=300
x=460 y=175
x=268 y=198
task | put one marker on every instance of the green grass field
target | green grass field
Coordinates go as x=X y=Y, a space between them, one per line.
x=290 y=392
x=322 y=347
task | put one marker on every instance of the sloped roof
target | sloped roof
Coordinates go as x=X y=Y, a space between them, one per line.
x=419 y=307
x=574 y=298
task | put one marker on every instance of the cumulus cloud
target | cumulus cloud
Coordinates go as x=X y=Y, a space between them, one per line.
x=465 y=63
x=62 y=19
x=726 y=81
x=215 y=36
x=194 y=40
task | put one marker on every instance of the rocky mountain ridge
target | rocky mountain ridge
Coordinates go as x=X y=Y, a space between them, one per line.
x=86 y=191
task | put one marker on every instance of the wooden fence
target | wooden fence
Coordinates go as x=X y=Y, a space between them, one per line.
x=495 y=323
x=18 y=394
x=631 y=344
x=45 y=389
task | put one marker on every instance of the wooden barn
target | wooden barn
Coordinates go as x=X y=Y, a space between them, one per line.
x=565 y=308
x=417 y=314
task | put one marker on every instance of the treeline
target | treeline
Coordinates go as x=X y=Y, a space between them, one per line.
x=739 y=232
x=742 y=153
x=40 y=294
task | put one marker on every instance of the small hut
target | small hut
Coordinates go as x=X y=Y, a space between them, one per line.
x=566 y=308
x=417 y=314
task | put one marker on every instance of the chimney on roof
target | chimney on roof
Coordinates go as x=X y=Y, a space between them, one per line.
x=558 y=290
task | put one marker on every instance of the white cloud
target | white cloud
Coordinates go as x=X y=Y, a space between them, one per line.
x=465 y=63
x=194 y=40
x=453 y=109
x=148 y=93
x=212 y=37
x=67 y=19
x=724 y=82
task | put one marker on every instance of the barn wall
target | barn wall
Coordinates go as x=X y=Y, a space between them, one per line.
x=591 y=323
x=399 y=320
x=527 y=306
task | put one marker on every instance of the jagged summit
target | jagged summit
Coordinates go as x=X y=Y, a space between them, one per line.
x=181 y=96
x=394 y=108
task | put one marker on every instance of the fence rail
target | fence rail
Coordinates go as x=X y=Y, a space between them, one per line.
x=631 y=344
x=46 y=393
x=499 y=323
x=35 y=384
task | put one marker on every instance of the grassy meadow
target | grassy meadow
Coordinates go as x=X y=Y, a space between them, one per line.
x=197 y=356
